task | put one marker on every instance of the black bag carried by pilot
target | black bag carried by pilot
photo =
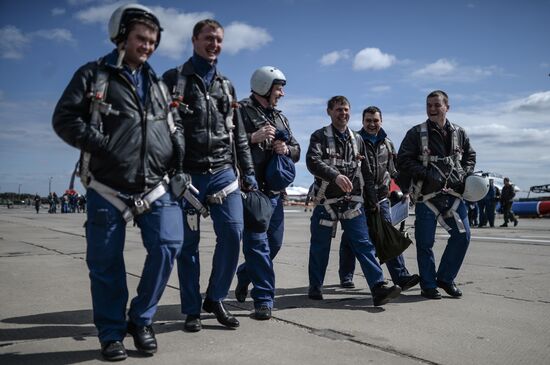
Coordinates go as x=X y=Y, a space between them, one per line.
x=257 y=210
x=388 y=240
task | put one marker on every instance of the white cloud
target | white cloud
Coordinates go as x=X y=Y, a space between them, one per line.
x=240 y=36
x=57 y=34
x=379 y=89
x=331 y=58
x=373 y=59
x=97 y=14
x=302 y=105
x=441 y=67
x=12 y=42
x=58 y=11
x=534 y=103
x=449 y=70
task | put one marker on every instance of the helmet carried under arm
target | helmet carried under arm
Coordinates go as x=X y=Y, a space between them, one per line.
x=264 y=78
x=475 y=188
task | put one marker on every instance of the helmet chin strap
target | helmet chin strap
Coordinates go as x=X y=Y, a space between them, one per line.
x=121 y=54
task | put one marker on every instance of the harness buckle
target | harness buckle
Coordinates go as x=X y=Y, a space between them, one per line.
x=217 y=198
x=140 y=206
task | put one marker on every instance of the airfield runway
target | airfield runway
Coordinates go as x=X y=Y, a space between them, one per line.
x=503 y=317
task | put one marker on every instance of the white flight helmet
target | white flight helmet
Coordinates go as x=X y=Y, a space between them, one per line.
x=476 y=187
x=263 y=79
x=122 y=17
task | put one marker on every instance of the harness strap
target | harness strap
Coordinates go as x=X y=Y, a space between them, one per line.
x=166 y=100
x=192 y=199
x=98 y=106
x=332 y=160
x=452 y=160
x=130 y=206
x=450 y=213
x=229 y=117
x=416 y=190
x=219 y=197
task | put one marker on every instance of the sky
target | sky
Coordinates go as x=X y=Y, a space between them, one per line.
x=491 y=57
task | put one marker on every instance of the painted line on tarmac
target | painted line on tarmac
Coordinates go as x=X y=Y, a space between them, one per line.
x=486 y=238
x=510 y=239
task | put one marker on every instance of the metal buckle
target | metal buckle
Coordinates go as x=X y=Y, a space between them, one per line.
x=217 y=198
x=140 y=205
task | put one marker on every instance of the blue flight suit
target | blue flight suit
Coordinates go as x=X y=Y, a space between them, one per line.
x=457 y=244
x=440 y=144
x=213 y=148
x=228 y=224
x=162 y=235
x=319 y=160
x=133 y=153
x=357 y=231
x=380 y=156
x=259 y=251
x=396 y=266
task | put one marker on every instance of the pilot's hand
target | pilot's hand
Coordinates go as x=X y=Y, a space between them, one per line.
x=280 y=147
x=344 y=183
x=267 y=132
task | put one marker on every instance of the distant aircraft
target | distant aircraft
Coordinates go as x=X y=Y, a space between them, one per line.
x=297 y=193
x=498 y=179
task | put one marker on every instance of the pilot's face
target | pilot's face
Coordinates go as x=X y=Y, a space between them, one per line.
x=437 y=108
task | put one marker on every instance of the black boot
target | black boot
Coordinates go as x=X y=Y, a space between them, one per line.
x=222 y=315
x=113 y=351
x=144 y=338
x=193 y=323
x=382 y=293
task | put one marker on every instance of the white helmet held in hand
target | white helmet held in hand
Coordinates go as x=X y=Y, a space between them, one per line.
x=476 y=187
x=263 y=79
x=123 y=16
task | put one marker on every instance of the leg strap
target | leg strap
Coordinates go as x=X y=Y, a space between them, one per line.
x=219 y=197
x=450 y=213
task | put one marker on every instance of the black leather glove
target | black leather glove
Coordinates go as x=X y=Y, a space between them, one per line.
x=249 y=183
x=179 y=183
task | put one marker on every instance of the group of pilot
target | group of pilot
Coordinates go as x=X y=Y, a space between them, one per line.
x=169 y=151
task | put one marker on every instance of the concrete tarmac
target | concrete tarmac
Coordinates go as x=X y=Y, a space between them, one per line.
x=502 y=318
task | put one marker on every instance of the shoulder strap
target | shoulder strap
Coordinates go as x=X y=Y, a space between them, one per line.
x=424 y=143
x=416 y=189
x=331 y=144
x=354 y=147
x=166 y=100
x=229 y=117
x=98 y=93
x=456 y=150
x=355 y=151
x=179 y=88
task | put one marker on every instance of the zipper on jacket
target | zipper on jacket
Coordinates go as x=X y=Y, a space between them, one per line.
x=208 y=121
x=143 y=122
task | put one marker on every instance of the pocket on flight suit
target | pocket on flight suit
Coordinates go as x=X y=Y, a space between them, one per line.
x=171 y=221
x=101 y=235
